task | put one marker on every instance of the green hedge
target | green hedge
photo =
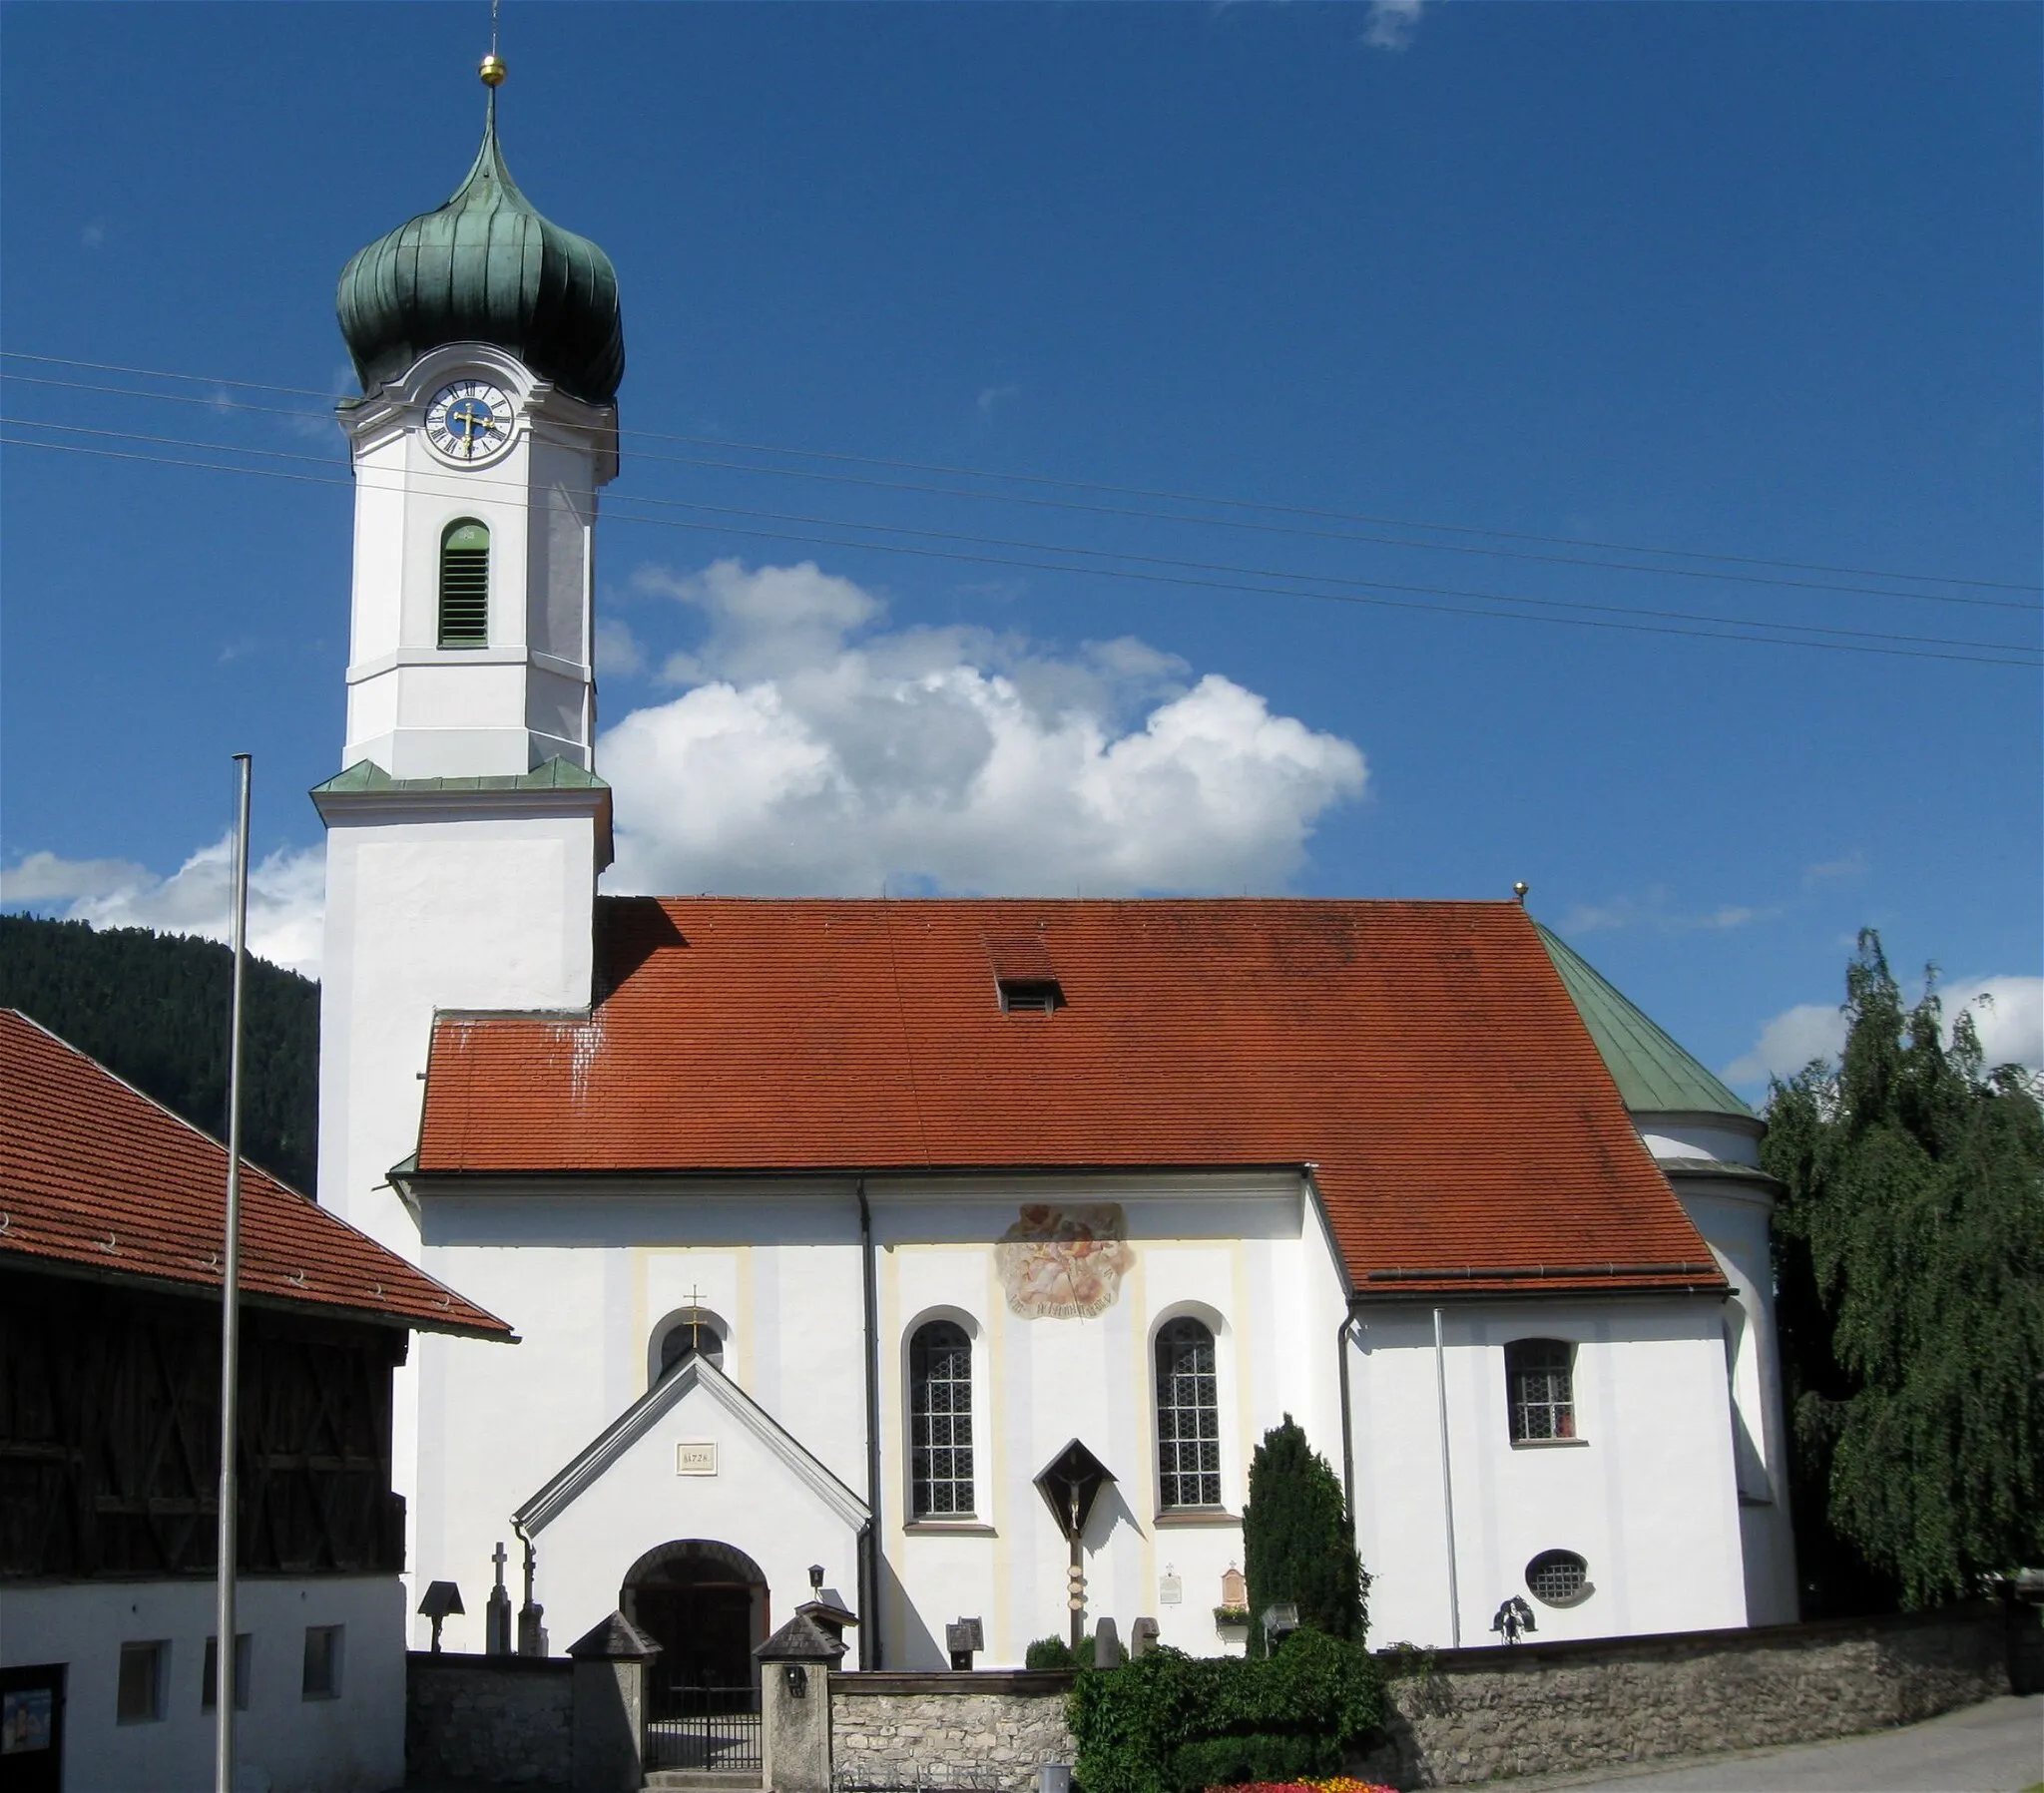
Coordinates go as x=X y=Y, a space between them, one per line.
x=1173 y=1724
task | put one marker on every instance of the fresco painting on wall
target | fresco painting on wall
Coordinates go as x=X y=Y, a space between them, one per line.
x=1064 y=1263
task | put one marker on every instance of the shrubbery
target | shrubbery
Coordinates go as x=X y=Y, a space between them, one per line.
x=1172 y=1723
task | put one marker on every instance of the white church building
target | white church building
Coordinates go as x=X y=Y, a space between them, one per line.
x=827 y=1225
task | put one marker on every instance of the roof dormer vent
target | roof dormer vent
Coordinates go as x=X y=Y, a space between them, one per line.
x=1025 y=976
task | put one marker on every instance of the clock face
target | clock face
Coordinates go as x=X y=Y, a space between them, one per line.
x=469 y=420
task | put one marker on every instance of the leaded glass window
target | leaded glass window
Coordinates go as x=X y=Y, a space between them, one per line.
x=1188 y=1417
x=1540 y=1387
x=940 y=1419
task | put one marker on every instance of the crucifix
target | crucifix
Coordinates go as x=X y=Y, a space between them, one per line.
x=497 y=1613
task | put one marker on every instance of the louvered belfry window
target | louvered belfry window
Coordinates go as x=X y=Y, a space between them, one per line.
x=1188 y=1417
x=940 y=1419
x=465 y=586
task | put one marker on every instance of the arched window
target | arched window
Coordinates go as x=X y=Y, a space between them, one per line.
x=694 y=1336
x=1540 y=1389
x=940 y=1419
x=465 y=586
x=1188 y=1417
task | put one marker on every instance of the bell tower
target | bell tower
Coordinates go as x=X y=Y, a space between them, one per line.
x=490 y=347
x=467 y=828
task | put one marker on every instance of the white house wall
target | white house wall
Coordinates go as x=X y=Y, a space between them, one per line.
x=641 y=1500
x=592 y=1276
x=452 y=910
x=353 y=1743
x=1647 y=1496
x=1734 y=1215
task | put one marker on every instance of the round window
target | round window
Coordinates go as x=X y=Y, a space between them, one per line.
x=1559 y=1579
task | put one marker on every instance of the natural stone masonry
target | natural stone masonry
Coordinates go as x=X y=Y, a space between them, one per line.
x=507 y=1719
x=1473 y=1716
x=991 y=1731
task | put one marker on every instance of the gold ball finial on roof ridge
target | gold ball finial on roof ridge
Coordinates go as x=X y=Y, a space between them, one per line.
x=493 y=70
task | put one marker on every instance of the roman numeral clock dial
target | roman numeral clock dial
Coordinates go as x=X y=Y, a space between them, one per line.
x=469 y=421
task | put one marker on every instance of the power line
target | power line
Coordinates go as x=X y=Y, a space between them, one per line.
x=640 y=456
x=1189 y=498
x=471 y=480
x=1728 y=635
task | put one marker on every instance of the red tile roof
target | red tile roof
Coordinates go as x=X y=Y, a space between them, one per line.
x=1424 y=1057
x=96 y=1175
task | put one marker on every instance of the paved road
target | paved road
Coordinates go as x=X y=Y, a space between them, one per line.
x=1996 y=1747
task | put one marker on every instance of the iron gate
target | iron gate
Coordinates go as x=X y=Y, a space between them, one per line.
x=704 y=1729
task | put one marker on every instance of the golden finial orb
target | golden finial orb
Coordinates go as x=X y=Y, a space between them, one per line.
x=1520 y=888
x=493 y=70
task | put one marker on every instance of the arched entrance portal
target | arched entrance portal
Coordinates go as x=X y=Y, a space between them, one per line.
x=705 y=1605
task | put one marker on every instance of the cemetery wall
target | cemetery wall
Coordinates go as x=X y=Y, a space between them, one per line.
x=501 y=1719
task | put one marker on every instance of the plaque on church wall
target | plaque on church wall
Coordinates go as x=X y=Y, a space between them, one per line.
x=1064 y=1263
x=1171 y=1590
x=695 y=1460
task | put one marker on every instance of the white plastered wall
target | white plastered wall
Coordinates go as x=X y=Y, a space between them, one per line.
x=421 y=710
x=478 y=901
x=353 y=1743
x=1647 y=1496
x=753 y=1502
x=590 y=1275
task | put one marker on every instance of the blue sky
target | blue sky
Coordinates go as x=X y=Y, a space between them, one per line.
x=1761 y=281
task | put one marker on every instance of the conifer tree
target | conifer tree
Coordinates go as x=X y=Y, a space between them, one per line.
x=1298 y=1548
x=1909 y=1271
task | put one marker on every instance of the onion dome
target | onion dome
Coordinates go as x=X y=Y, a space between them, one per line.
x=486 y=268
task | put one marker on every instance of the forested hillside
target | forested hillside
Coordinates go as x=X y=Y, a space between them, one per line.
x=153 y=1009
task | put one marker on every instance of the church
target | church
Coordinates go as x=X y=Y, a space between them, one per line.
x=956 y=1253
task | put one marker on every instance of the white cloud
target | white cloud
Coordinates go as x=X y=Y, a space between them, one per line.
x=1788 y=1042
x=1654 y=912
x=990 y=396
x=287 y=894
x=94 y=233
x=617 y=653
x=1848 y=866
x=816 y=753
x=1392 y=24
x=45 y=878
x=2008 y=1011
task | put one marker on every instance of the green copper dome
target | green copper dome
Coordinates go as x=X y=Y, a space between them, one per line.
x=486 y=268
x=1653 y=1074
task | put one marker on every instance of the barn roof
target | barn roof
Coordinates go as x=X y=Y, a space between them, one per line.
x=98 y=1178
x=1424 y=1059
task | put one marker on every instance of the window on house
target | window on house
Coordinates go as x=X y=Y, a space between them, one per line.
x=1539 y=1388
x=694 y=1337
x=321 y=1679
x=139 y=1694
x=465 y=586
x=940 y=1419
x=209 y=1677
x=1559 y=1579
x=1188 y=1417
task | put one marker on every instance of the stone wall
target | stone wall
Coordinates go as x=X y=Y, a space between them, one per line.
x=986 y=1730
x=506 y=1719
x=1472 y=1714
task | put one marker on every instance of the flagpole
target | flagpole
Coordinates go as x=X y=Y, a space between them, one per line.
x=224 y=1687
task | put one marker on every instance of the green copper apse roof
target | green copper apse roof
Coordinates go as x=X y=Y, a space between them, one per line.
x=486 y=268
x=1653 y=1073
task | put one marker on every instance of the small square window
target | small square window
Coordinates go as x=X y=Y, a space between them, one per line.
x=139 y=1697
x=323 y=1662
x=209 y=1677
